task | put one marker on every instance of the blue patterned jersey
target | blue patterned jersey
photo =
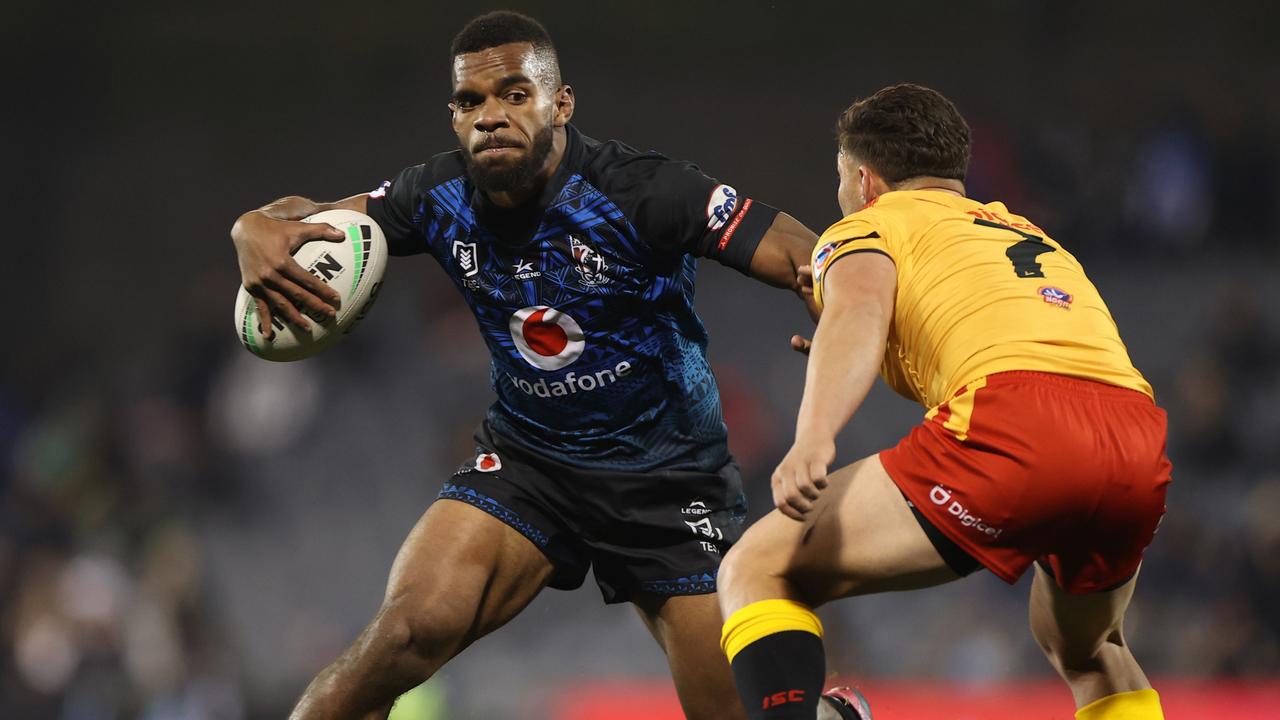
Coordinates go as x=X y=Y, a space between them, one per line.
x=585 y=299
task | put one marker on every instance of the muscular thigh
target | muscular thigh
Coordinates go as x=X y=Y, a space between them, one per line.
x=860 y=538
x=462 y=561
x=688 y=629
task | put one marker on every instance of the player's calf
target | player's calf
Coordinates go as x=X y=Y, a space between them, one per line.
x=406 y=643
x=1082 y=637
x=774 y=643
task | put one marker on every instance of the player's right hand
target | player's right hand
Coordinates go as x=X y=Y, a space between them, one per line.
x=264 y=248
x=802 y=476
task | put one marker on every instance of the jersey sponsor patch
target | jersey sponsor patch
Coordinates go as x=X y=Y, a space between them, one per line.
x=1056 y=296
x=724 y=200
x=571 y=383
x=546 y=338
x=488 y=462
x=943 y=497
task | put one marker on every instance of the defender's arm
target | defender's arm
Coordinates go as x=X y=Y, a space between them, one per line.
x=847 y=350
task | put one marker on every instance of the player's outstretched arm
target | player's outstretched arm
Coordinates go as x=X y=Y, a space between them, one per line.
x=858 y=297
x=265 y=240
x=782 y=258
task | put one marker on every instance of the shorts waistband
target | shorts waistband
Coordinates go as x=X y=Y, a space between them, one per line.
x=1067 y=382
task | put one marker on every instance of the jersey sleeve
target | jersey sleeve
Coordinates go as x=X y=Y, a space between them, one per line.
x=398 y=207
x=679 y=209
x=859 y=232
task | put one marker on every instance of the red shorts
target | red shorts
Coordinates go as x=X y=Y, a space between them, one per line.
x=1023 y=466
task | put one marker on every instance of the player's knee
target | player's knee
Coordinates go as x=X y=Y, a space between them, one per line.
x=734 y=563
x=746 y=562
x=428 y=627
x=1076 y=656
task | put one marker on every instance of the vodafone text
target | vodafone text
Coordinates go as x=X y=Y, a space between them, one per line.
x=942 y=496
x=571 y=383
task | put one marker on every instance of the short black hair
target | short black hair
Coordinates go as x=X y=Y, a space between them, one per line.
x=500 y=28
x=907 y=131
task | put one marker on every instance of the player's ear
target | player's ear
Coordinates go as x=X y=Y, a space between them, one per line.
x=871 y=184
x=564 y=106
x=865 y=184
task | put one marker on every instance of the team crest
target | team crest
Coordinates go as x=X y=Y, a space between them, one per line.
x=589 y=263
x=468 y=258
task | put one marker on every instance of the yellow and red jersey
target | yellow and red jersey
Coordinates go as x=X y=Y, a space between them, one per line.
x=980 y=291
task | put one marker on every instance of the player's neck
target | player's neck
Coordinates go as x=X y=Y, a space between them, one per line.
x=534 y=190
x=946 y=185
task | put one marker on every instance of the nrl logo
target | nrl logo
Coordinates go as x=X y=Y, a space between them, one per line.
x=467 y=257
x=589 y=263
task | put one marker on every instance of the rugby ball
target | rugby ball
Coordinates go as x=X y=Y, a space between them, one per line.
x=353 y=267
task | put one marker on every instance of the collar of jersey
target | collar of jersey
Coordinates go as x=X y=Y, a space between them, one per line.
x=570 y=163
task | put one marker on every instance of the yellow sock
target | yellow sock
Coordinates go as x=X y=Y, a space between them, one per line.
x=1133 y=705
x=764 y=618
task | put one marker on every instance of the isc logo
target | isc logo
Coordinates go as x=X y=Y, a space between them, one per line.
x=782 y=698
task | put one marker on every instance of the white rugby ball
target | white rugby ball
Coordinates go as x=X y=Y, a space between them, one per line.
x=353 y=266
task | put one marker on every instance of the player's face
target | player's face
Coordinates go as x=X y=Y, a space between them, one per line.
x=505 y=114
x=851 y=194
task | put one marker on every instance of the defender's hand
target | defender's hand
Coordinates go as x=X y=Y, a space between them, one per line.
x=802 y=476
x=804 y=278
x=268 y=271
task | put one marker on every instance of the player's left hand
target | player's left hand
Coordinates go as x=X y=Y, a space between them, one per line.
x=802 y=476
x=801 y=344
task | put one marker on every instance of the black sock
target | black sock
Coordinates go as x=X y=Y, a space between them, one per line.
x=780 y=676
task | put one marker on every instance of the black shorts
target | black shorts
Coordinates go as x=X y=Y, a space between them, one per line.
x=662 y=532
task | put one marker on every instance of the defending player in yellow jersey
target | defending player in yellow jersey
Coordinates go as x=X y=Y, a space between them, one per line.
x=1041 y=445
x=980 y=291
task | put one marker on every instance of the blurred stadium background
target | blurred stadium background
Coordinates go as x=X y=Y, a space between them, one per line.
x=173 y=546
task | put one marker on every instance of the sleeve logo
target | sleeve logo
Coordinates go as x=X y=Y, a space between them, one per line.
x=381 y=190
x=467 y=257
x=1056 y=296
x=724 y=200
x=821 y=258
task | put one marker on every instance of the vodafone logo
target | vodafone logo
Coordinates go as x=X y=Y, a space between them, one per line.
x=546 y=338
x=488 y=462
